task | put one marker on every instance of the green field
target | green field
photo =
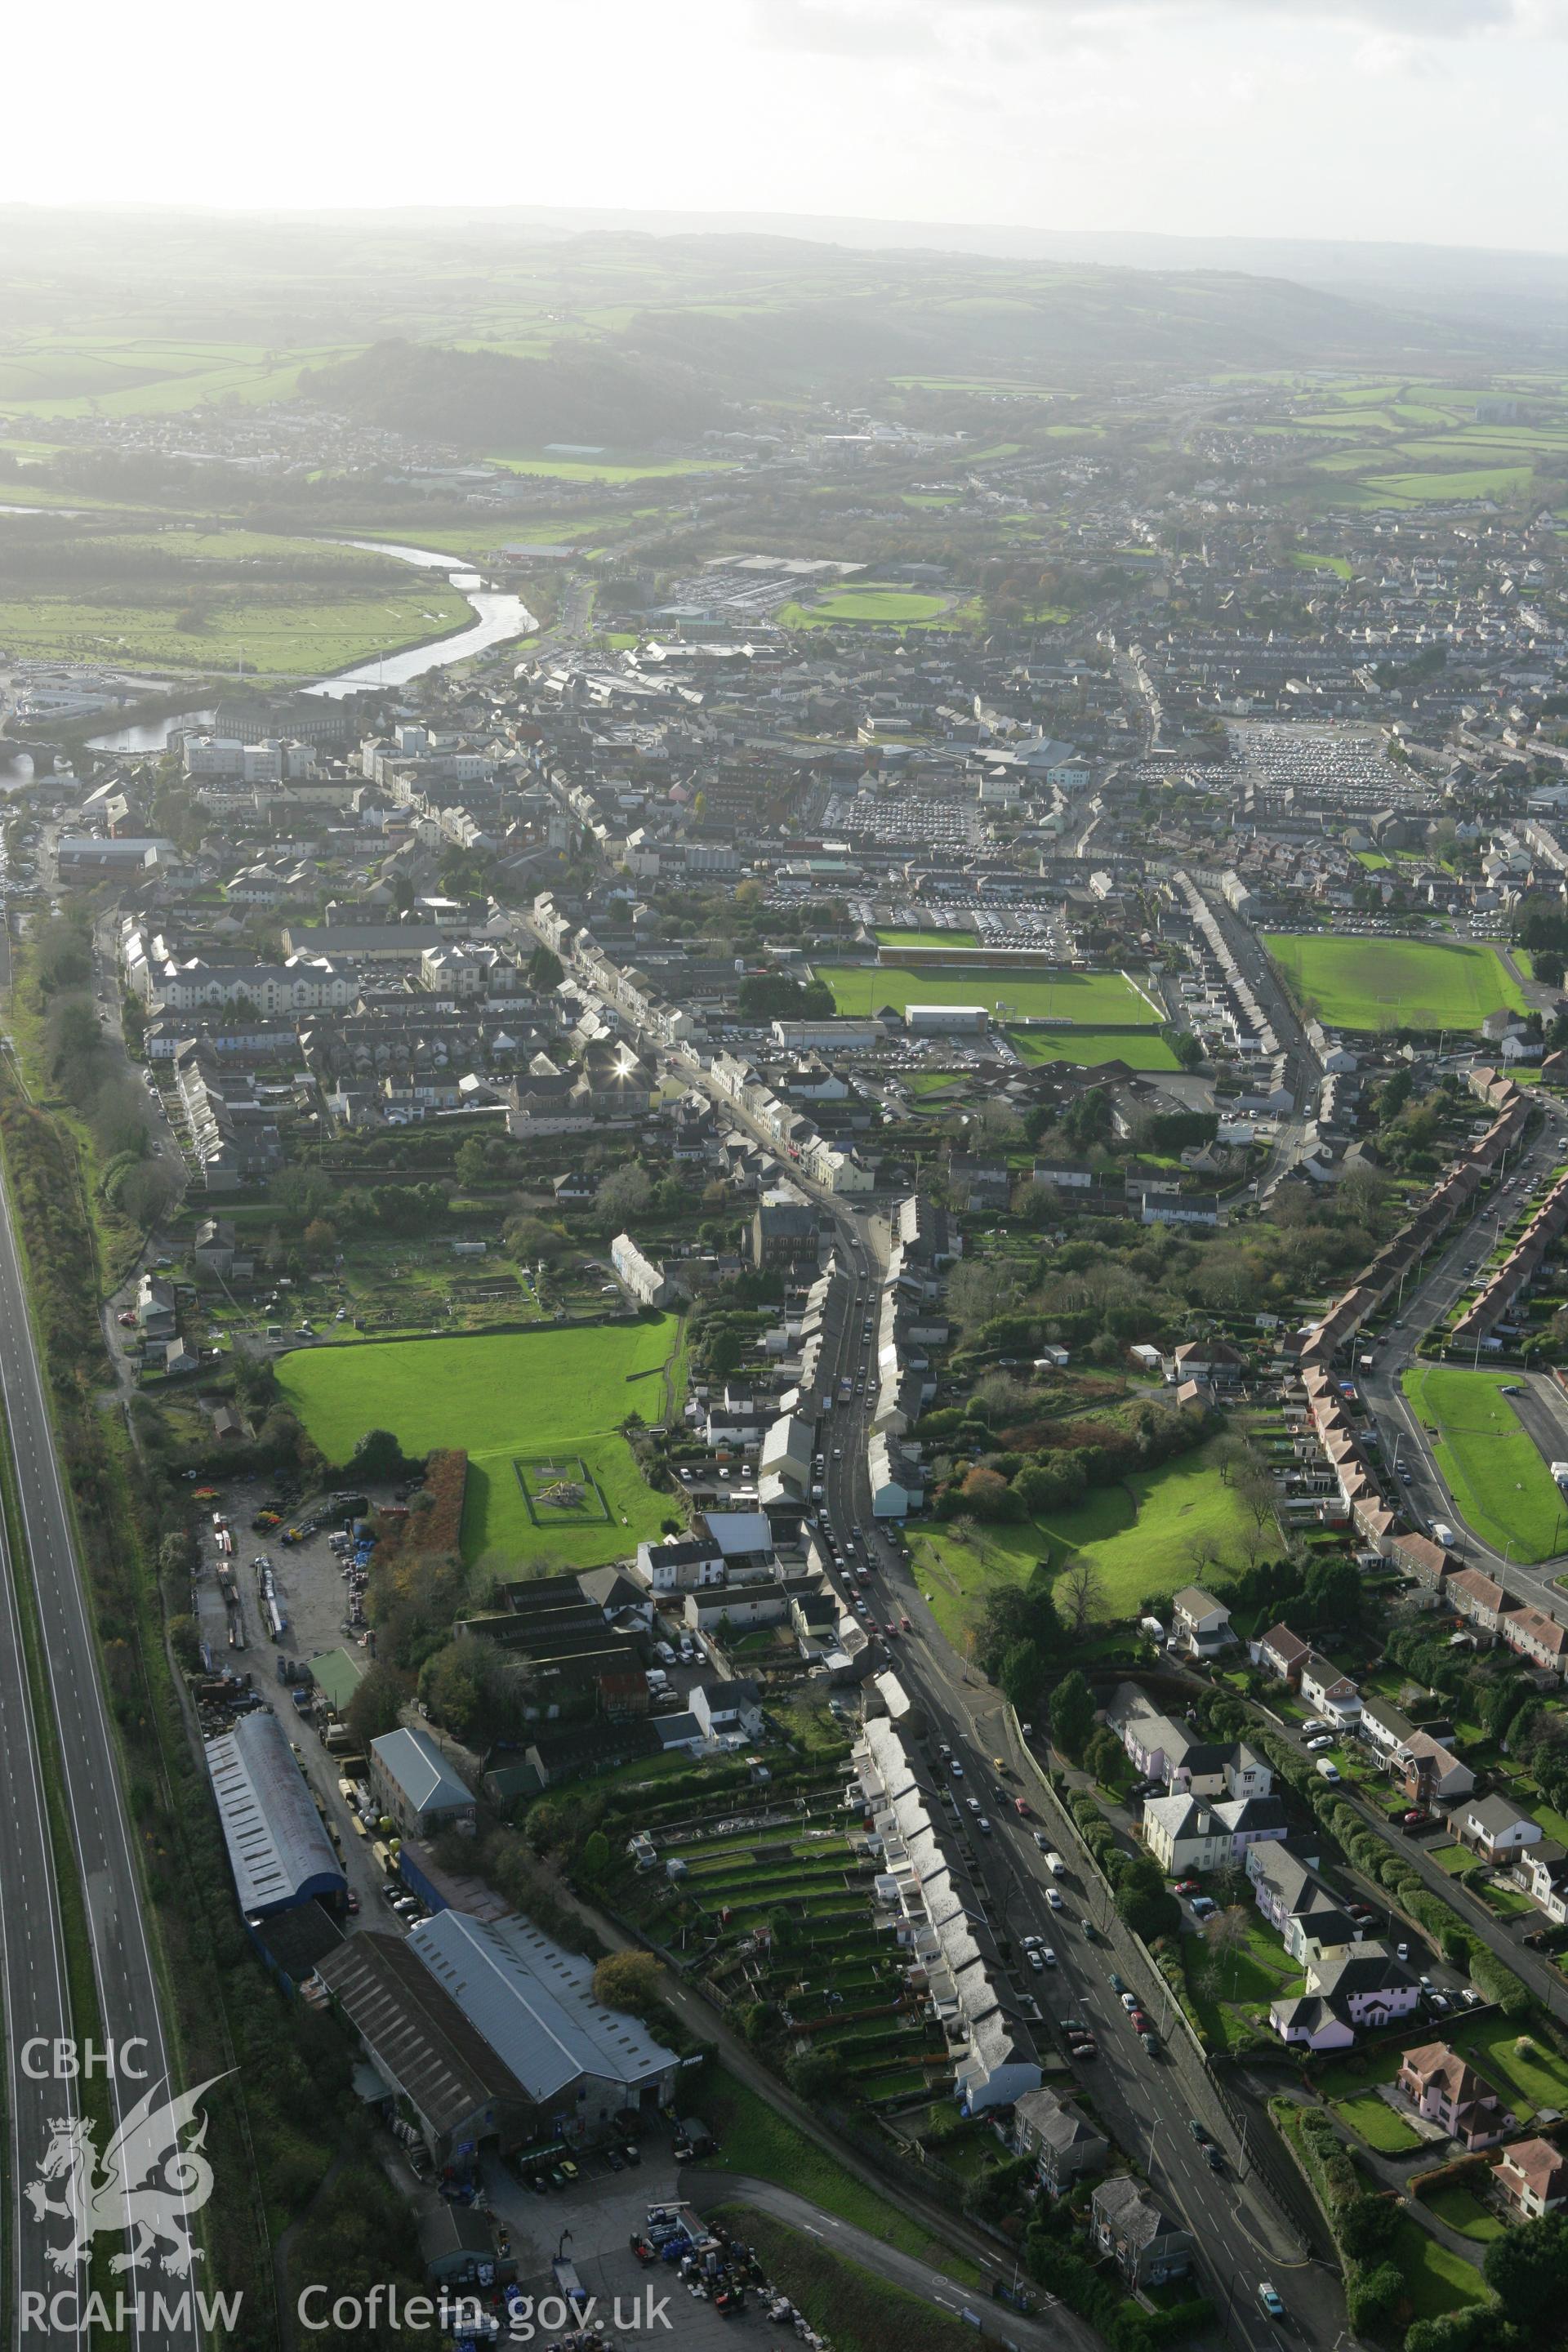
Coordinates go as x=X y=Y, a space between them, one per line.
x=291 y=638
x=1090 y=998
x=504 y=1398
x=1368 y=984
x=1140 y=1049
x=77 y=376
x=756 y=2140
x=1490 y=1463
x=874 y=605
x=607 y=469
x=894 y=938
x=288 y=606
x=1138 y=1536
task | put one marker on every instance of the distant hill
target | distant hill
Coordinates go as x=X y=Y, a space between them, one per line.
x=491 y=399
x=727 y=319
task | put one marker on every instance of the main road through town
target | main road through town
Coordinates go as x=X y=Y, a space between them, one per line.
x=1243 y=2238
x=128 y=2016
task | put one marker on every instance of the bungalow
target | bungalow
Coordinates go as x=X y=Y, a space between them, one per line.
x=1533 y=2175
x=1281 y=1653
x=1201 y=1623
x=1361 y=1986
x=1311 y=2021
x=1441 y=2085
x=1330 y=1694
x=1063 y=2142
x=1537 y=1637
x=1125 y=2222
x=1494 y=1826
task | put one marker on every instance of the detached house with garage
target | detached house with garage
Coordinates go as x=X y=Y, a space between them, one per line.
x=1532 y=2176
x=1329 y=1692
x=1495 y=1827
x=1201 y=1623
x=1447 y=2090
x=1281 y=1653
x=1433 y=1775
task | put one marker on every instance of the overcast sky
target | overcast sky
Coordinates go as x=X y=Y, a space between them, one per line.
x=1433 y=120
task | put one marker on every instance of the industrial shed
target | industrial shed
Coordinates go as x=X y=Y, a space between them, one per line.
x=533 y=2004
x=277 y=1846
x=446 y=2076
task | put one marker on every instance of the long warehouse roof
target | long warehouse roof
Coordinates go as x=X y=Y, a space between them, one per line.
x=535 y=2003
x=278 y=1848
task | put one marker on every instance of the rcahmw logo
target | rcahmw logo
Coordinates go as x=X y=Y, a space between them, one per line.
x=147 y=2185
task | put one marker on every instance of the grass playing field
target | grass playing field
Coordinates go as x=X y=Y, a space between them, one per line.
x=1088 y=999
x=894 y=938
x=1490 y=1463
x=514 y=1397
x=605 y=469
x=1368 y=984
x=882 y=606
x=1140 y=1049
x=1140 y=1536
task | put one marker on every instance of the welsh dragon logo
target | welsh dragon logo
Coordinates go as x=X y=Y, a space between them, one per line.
x=148 y=2184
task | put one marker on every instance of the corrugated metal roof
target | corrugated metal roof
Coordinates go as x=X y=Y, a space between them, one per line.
x=413 y=1760
x=278 y=1847
x=535 y=2003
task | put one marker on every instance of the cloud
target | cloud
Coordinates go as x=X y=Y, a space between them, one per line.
x=909 y=27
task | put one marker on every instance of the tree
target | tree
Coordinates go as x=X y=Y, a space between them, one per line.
x=725 y=1350
x=625 y=1193
x=1527 y=2269
x=595 y=1858
x=377 y=1457
x=1105 y=1757
x=376 y=1706
x=1547 y=964
x=1256 y=1489
x=1226 y=1936
x=319 y=1240
x=471 y=1166
x=543 y=970
x=626 y=1981
x=1072 y=1715
x=1333 y=1591
x=813 y=2074
x=1081 y=1597
x=1144 y=1900
x=1022 y=1676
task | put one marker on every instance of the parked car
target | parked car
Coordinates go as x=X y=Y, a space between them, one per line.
x=1187 y=1887
x=1117 y=1984
x=1128 y=2001
x=1316 y=1747
x=1198 y=2133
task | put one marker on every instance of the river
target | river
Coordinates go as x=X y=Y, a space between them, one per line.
x=497 y=617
